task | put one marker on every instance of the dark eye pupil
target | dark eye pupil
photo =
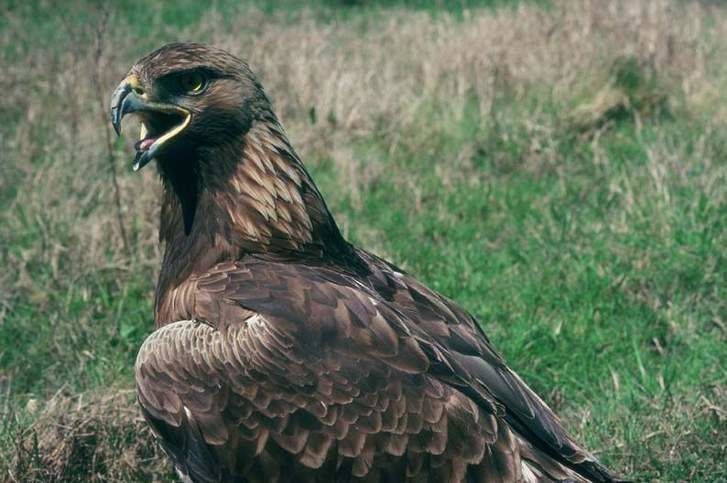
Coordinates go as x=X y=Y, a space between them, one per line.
x=193 y=82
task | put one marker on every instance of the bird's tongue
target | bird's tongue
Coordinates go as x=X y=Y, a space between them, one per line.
x=145 y=144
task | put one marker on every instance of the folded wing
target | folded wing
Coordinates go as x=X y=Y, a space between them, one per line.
x=305 y=373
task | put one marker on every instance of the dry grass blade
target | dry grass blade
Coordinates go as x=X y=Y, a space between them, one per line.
x=87 y=438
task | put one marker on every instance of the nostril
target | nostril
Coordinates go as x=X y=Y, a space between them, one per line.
x=137 y=90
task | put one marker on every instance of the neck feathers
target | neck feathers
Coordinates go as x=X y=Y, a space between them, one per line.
x=249 y=197
x=270 y=200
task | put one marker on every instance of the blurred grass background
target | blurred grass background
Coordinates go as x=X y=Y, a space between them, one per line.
x=557 y=167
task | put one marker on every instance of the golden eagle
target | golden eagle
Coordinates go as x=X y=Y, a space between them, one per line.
x=281 y=351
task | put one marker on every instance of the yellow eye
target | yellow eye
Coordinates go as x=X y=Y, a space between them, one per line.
x=193 y=82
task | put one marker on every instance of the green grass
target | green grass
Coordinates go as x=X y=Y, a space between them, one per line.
x=592 y=252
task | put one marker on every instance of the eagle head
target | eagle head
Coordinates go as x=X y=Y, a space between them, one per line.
x=228 y=170
x=189 y=97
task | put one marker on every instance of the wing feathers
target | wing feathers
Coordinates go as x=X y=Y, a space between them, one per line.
x=323 y=369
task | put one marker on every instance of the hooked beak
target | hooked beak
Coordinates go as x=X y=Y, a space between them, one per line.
x=160 y=122
x=120 y=105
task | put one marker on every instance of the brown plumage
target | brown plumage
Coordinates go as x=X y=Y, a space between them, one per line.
x=282 y=352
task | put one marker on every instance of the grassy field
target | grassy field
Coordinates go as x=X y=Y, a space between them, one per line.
x=558 y=168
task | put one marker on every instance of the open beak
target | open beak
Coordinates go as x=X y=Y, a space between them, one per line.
x=160 y=122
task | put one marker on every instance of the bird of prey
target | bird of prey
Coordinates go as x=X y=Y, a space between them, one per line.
x=284 y=353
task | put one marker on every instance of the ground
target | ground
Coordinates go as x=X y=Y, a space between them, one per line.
x=558 y=168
